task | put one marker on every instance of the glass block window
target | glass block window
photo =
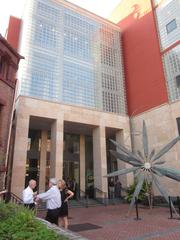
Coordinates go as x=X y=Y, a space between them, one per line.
x=168 y=22
x=78 y=22
x=46 y=11
x=78 y=85
x=109 y=82
x=172 y=71
x=45 y=34
x=171 y=26
x=77 y=44
x=71 y=57
x=107 y=55
x=111 y=102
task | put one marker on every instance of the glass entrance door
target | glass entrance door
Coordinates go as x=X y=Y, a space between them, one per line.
x=71 y=166
x=71 y=170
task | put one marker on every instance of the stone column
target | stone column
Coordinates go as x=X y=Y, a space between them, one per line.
x=82 y=163
x=20 y=154
x=56 y=155
x=43 y=157
x=126 y=179
x=100 y=159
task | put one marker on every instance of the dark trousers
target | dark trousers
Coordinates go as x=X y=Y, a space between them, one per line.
x=30 y=206
x=52 y=215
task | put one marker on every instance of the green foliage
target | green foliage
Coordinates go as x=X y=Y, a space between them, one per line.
x=145 y=190
x=19 y=223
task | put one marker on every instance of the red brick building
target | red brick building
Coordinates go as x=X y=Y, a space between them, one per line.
x=9 y=60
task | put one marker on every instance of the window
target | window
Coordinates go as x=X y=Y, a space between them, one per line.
x=178 y=124
x=45 y=35
x=178 y=81
x=3 y=67
x=108 y=55
x=171 y=26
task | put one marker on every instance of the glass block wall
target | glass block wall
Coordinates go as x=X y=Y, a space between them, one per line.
x=168 y=23
x=172 y=72
x=71 y=57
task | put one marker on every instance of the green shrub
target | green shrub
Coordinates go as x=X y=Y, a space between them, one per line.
x=143 y=193
x=19 y=223
x=7 y=210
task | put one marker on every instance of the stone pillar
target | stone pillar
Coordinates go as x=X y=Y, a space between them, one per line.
x=100 y=159
x=43 y=157
x=56 y=155
x=82 y=163
x=126 y=179
x=20 y=154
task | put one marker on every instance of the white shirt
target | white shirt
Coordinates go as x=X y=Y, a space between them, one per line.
x=28 y=196
x=52 y=198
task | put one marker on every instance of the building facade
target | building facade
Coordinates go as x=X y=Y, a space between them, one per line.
x=74 y=88
x=168 y=25
x=71 y=97
x=150 y=37
x=9 y=60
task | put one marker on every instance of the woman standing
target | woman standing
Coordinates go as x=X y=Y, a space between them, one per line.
x=66 y=194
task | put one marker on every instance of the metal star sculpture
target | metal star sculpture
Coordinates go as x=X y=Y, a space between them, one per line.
x=146 y=166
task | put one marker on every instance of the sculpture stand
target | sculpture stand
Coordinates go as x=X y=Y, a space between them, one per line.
x=137 y=212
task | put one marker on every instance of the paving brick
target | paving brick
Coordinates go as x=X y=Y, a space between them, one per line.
x=115 y=225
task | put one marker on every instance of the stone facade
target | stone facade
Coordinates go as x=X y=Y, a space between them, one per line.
x=57 y=115
x=162 y=128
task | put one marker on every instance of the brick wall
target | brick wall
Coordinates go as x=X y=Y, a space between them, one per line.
x=6 y=102
x=9 y=60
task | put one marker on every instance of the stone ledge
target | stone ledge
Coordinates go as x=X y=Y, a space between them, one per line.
x=67 y=233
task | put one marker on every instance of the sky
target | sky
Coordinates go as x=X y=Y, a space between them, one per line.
x=102 y=8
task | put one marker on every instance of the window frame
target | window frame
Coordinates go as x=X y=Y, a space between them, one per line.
x=170 y=28
x=178 y=124
x=4 y=67
x=178 y=81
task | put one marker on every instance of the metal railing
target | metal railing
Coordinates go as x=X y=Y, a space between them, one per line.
x=10 y=197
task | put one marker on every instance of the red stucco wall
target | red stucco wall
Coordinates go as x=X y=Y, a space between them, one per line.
x=14 y=31
x=145 y=82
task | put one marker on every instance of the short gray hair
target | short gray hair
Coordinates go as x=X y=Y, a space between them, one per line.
x=53 y=181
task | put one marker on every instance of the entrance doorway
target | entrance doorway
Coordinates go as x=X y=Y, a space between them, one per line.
x=71 y=169
x=71 y=165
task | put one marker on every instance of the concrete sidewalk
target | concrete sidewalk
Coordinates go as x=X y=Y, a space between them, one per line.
x=111 y=223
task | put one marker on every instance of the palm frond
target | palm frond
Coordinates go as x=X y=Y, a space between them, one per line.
x=137 y=191
x=122 y=171
x=159 y=162
x=152 y=154
x=140 y=155
x=157 y=172
x=145 y=140
x=166 y=148
x=169 y=172
x=125 y=158
x=124 y=150
x=163 y=192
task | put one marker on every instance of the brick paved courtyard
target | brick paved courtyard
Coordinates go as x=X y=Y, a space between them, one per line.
x=111 y=223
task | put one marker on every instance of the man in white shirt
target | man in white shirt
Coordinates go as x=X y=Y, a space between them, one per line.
x=28 y=195
x=53 y=201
